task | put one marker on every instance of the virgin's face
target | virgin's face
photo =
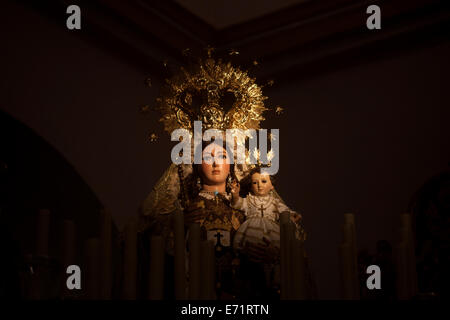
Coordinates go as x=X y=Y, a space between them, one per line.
x=215 y=165
x=261 y=184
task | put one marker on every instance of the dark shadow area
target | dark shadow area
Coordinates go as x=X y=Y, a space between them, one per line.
x=34 y=176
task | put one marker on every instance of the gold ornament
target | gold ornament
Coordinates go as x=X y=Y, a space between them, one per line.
x=145 y=109
x=233 y=52
x=153 y=137
x=186 y=52
x=209 y=51
x=279 y=110
x=214 y=92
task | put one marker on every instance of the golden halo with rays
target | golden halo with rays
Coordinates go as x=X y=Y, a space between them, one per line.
x=199 y=92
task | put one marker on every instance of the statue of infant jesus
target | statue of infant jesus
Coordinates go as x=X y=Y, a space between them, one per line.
x=262 y=208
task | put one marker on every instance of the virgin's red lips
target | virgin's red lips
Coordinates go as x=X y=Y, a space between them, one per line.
x=216 y=172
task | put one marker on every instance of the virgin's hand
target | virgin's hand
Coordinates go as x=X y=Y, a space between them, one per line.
x=235 y=188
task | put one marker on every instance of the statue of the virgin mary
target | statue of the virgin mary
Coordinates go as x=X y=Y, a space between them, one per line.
x=221 y=97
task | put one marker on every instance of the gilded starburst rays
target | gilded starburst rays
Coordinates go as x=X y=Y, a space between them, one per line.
x=214 y=92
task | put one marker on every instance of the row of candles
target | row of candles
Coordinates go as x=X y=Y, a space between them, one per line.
x=292 y=262
x=348 y=265
x=97 y=265
x=406 y=260
x=201 y=282
x=96 y=270
x=198 y=283
x=196 y=280
x=404 y=253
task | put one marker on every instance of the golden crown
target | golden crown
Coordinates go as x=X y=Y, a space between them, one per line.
x=257 y=157
x=214 y=92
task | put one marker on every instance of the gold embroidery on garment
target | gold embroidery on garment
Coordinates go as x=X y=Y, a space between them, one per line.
x=217 y=224
x=235 y=222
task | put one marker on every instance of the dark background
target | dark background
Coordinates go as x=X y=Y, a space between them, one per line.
x=366 y=119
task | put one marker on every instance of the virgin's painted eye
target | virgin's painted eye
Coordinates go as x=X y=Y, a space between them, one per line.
x=254 y=182
x=264 y=181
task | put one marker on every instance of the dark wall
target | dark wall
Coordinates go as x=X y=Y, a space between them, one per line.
x=363 y=140
x=84 y=102
x=34 y=176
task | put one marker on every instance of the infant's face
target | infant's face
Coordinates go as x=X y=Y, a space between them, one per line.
x=261 y=184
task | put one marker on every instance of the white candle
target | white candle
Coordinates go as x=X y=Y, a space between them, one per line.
x=130 y=261
x=350 y=238
x=284 y=256
x=405 y=220
x=91 y=276
x=194 y=261
x=68 y=254
x=408 y=238
x=207 y=269
x=349 y=218
x=43 y=230
x=156 y=278
x=299 y=270
x=106 y=254
x=345 y=268
x=69 y=243
x=402 y=278
x=179 y=258
x=212 y=271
